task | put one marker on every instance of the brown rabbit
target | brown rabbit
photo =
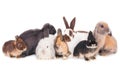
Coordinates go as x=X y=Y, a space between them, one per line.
x=61 y=46
x=109 y=47
x=14 y=48
x=100 y=33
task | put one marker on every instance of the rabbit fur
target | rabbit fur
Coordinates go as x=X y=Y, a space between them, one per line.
x=61 y=47
x=86 y=48
x=45 y=47
x=14 y=48
x=75 y=36
x=32 y=37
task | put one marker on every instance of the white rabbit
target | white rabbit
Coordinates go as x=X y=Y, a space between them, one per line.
x=75 y=36
x=45 y=47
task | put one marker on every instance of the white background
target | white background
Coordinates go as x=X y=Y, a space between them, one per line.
x=18 y=16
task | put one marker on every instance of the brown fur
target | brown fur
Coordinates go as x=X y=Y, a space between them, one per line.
x=61 y=46
x=109 y=47
x=101 y=35
x=81 y=31
x=14 y=48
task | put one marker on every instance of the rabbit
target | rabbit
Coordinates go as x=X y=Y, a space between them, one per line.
x=61 y=47
x=86 y=48
x=100 y=32
x=45 y=47
x=110 y=46
x=14 y=48
x=75 y=36
x=32 y=37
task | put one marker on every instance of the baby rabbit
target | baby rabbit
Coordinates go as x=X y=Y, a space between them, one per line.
x=45 y=47
x=100 y=32
x=14 y=48
x=86 y=48
x=32 y=37
x=110 y=46
x=75 y=36
x=61 y=46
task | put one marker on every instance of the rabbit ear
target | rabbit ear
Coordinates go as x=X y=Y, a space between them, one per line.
x=46 y=32
x=72 y=24
x=66 y=23
x=18 y=39
x=59 y=33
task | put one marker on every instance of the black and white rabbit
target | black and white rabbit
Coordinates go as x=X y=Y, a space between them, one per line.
x=32 y=37
x=45 y=48
x=86 y=48
x=75 y=36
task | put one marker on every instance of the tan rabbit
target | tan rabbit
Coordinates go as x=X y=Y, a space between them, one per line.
x=61 y=47
x=109 y=47
x=14 y=48
x=100 y=33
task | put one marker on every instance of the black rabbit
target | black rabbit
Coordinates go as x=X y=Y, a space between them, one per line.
x=32 y=37
x=86 y=48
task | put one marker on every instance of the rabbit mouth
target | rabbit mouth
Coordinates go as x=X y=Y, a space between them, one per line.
x=92 y=46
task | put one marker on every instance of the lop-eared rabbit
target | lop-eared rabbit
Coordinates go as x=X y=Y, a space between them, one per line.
x=31 y=38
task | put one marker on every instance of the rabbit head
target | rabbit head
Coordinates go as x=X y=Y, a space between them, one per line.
x=91 y=42
x=102 y=28
x=20 y=44
x=50 y=27
x=60 y=45
x=69 y=29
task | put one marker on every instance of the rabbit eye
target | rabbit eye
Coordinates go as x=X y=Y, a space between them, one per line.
x=70 y=33
x=102 y=26
x=47 y=46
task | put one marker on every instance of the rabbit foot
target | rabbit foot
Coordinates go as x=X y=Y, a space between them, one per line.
x=93 y=57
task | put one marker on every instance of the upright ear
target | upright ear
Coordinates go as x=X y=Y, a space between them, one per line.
x=90 y=36
x=18 y=39
x=59 y=33
x=72 y=24
x=66 y=38
x=66 y=23
x=46 y=32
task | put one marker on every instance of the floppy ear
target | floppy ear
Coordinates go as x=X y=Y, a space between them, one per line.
x=72 y=24
x=46 y=32
x=59 y=33
x=66 y=38
x=66 y=23
x=16 y=37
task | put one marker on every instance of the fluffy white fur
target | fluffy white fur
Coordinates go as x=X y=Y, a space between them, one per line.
x=45 y=48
